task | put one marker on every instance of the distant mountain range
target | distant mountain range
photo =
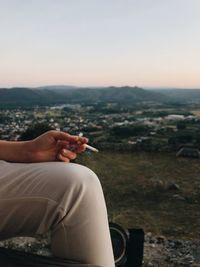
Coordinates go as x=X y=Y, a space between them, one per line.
x=72 y=94
x=181 y=95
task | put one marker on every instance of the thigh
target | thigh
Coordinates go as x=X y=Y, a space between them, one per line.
x=31 y=196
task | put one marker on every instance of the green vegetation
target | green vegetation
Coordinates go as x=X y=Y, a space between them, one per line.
x=125 y=132
x=35 y=130
x=154 y=191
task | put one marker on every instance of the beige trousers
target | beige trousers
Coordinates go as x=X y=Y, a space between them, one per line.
x=66 y=199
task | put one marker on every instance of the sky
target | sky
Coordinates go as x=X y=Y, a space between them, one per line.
x=146 y=43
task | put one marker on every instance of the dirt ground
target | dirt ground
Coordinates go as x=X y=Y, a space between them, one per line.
x=158 y=251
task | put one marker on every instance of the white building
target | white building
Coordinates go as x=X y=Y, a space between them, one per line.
x=175 y=117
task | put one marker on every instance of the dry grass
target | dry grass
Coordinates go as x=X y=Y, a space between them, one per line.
x=196 y=112
x=135 y=187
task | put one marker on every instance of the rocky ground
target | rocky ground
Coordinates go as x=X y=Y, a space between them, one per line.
x=158 y=251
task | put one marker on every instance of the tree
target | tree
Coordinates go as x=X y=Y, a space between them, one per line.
x=35 y=130
x=127 y=131
x=181 y=126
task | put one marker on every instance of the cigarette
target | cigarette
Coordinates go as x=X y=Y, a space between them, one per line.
x=91 y=148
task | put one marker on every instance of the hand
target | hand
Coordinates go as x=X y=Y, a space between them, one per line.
x=55 y=145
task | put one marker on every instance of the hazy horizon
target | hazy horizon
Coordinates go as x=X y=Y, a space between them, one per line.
x=96 y=87
x=149 y=44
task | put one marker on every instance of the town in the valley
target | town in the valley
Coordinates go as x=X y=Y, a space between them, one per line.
x=109 y=125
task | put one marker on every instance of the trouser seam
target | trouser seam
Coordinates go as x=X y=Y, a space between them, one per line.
x=38 y=199
x=33 y=198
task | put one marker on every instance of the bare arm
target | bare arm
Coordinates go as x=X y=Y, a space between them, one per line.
x=50 y=146
x=14 y=151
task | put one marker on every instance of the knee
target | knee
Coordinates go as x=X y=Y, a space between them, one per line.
x=65 y=189
x=69 y=179
x=81 y=177
x=80 y=189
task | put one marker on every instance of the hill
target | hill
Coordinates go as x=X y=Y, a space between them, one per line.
x=121 y=95
x=181 y=95
x=25 y=96
x=55 y=95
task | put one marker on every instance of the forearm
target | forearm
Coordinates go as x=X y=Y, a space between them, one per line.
x=14 y=151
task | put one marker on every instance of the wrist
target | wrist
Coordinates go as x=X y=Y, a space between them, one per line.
x=27 y=148
x=22 y=151
x=12 y=151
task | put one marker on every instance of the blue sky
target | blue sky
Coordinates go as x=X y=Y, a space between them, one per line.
x=149 y=43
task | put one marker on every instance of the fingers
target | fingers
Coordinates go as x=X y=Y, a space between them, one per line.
x=68 y=145
x=66 y=155
x=83 y=140
x=76 y=147
x=81 y=149
x=78 y=139
x=62 y=158
x=67 y=137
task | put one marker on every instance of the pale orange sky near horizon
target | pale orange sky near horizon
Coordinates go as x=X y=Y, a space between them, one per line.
x=148 y=43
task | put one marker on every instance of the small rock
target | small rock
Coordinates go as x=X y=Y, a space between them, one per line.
x=150 y=264
x=161 y=239
x=173 y=186
x=148 y=236
x=176 y=196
